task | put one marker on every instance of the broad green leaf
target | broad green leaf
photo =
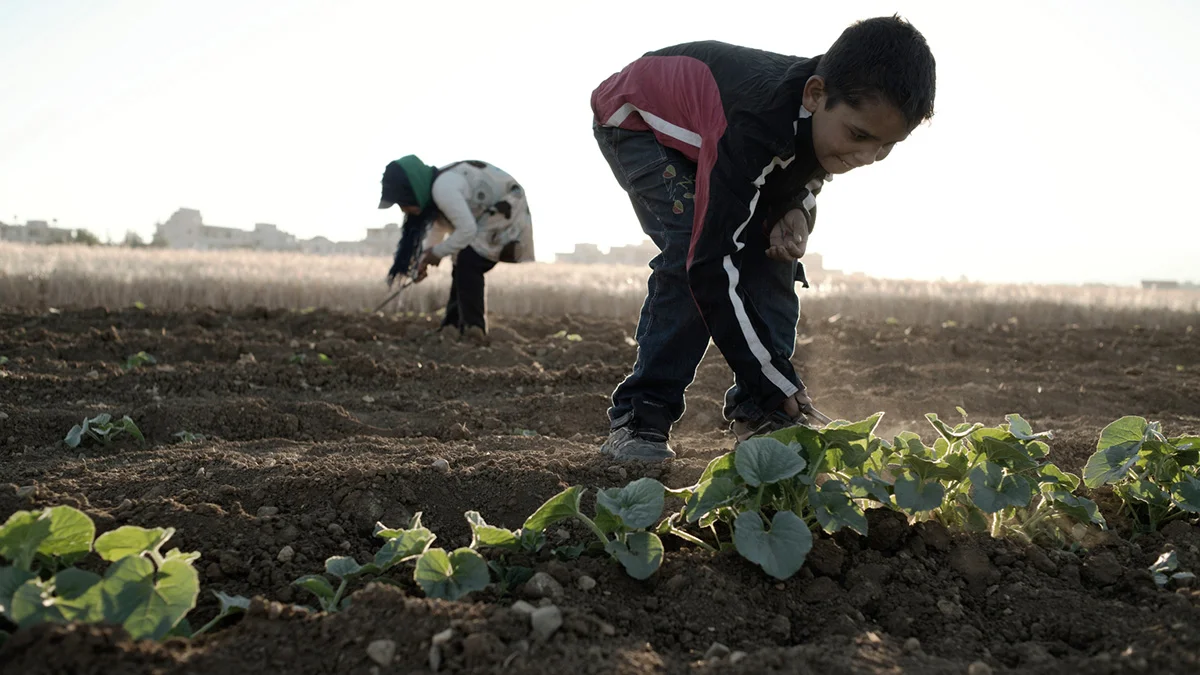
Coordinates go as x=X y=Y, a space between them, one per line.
x=1116 y=452
x=806 y=437
x=1009 y=455
x=711 y=494
x=71 y=534
x=835 y=509
x=863 y=428
x=232 y=604
x=176 y=554
x=951 y=434
x=317 y=585
x=342 y=567
x=558 y=508
x=22 y=534
x=639 y=504
x=763 y=460
x=1187 y=450
x=11 y=578
x=994 y=489
x=1187 y=494
x=1147 y=492
x=607 y=521
x=641 y=554
x=723 y=466
x=74 y=437
x=146 y=603
x=1054 y=478
x=483 y=534
x=33 y=604
x=1080 y=508
x=1017 y=426
x=930 y=470
x=404 y=546
x=73 y=583
x=131 y=428
x=871 y=486
x=451 y=576
x=130 y=540
x=915 y=495
x=780 y=551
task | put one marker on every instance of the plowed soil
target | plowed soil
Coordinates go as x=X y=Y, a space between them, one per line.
x=310 y=453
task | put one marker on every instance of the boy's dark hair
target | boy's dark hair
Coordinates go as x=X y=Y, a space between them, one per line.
x=884 y=57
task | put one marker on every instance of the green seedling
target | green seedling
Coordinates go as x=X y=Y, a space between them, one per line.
x=1165 y=571
x=623 y=516
x=188 y=437
x=138 y=360
x=1157 y=478
x=147 y=592
x=102 y=429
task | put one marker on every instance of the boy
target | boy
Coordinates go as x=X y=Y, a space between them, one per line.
x=483 y=215
x=722 y=150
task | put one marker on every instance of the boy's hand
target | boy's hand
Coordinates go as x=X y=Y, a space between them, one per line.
x=427 y=259
x=797 y=403
x=789 y=237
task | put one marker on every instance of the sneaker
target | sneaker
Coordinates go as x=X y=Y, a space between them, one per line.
x=644 y=445
x=746 y=429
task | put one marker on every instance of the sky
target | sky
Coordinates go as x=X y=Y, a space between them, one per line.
x=1062 y=150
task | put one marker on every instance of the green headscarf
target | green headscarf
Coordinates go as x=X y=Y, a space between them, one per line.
x=420 y=177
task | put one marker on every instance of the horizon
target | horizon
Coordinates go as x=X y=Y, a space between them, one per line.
x=288 y=114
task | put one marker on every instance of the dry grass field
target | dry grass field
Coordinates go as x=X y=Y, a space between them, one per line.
x=76 y=276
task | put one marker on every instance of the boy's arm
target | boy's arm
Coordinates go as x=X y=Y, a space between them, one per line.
x=729 y=179
x=449 y=193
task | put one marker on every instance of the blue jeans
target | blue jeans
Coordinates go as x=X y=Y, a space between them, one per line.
x=671 y=334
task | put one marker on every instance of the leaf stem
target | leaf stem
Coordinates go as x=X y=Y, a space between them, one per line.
x=337 y=597
x=593 y=527
x=204 y=629
x=693 y=539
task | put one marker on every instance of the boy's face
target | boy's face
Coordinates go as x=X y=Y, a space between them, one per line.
x=847 y=137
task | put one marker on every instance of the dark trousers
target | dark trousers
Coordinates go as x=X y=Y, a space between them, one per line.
x=467 y=305
x=671 y=334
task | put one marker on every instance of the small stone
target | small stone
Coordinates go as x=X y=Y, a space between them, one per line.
x=367 y=398
x=93 y=375
x=286 y=554
x=912 y=645
x=949 y=609
x=382 y=651
x=585 y=583
x=3 y=415
x=781 y=625
x=716 y=651
x=440 y=465
x=443 y=637
x=267 y=511
x=335 y=529
x=979 y=668
x=676 y=583
x=545 y=621
x=542 y=585
x=522 y=607
x=435 y=658
x=736 y=657
x=246 y=358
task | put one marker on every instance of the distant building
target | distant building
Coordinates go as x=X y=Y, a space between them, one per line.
x=35 y=232
x=186 y=229
x=1150 y=284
